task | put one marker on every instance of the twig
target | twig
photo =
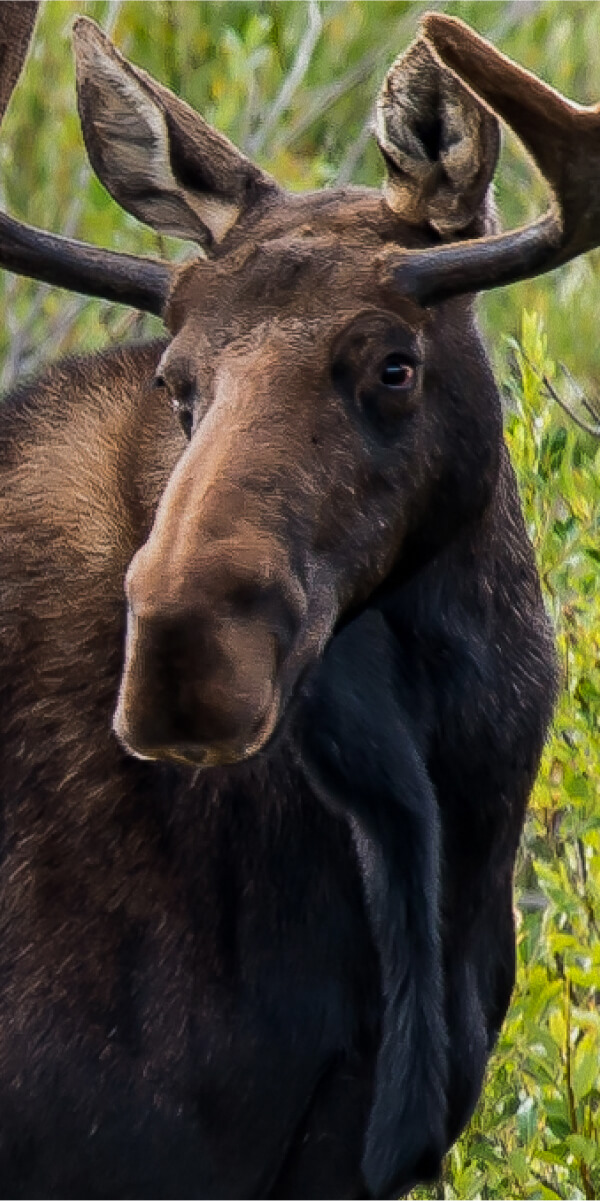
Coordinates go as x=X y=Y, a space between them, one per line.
x=591 y=407
x=293 y=79
x=355 y=152
x=324 y=97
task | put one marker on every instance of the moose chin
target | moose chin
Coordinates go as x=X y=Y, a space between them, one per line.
x=260 y=943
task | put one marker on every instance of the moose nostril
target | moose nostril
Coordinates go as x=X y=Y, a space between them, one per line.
x=188 y=658
x=246 y=599
x=207 y=651
x=275 y=607
x=206 y=679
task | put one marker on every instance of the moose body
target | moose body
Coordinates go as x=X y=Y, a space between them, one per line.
x=267 y=953
x=191 y=1002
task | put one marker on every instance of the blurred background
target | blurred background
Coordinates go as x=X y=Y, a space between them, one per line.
x=294 y=85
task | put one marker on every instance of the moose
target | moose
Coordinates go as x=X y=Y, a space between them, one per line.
x=276 y=672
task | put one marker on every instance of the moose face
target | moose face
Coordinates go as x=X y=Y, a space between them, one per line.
x=342 y=422
x=334 y=428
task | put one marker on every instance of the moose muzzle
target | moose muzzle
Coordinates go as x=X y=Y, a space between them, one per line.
x=210 y=652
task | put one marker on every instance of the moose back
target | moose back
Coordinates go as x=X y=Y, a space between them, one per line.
x=276 y=672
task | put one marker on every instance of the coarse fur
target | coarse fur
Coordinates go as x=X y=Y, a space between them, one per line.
x=280 y=973
x=175 y=943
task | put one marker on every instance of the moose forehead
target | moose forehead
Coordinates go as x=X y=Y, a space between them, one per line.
x=313 y=256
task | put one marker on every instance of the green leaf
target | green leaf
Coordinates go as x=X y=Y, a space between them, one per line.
x=584 y=1149
x=585 y=1074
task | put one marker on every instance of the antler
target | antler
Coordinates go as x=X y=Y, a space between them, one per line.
x=563 y=139
x=126 y=279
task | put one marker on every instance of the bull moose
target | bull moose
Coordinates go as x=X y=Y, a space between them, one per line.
x=259 y=822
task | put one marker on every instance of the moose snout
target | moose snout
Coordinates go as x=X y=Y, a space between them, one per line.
x=205 y=662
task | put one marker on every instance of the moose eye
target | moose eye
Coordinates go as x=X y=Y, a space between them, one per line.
x=397 y=372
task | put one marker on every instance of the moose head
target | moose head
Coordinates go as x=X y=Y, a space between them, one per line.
x=339 y=416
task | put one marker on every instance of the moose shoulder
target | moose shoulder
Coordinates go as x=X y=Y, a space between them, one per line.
x=257 y=940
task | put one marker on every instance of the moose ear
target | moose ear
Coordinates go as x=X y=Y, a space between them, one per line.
x=440 y=145
x=159 y=159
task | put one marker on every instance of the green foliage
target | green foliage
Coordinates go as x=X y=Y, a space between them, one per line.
x=294 y=84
